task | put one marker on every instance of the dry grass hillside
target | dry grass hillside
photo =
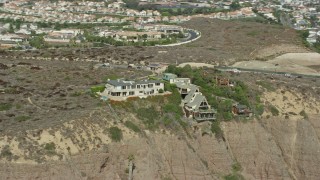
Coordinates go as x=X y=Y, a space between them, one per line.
x=222 y=42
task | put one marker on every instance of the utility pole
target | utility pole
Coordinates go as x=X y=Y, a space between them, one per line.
x=130 y=170
x=131 y=166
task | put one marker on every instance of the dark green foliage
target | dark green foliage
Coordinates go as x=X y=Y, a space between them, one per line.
x=224 y=110
x=161 y=91
x=6 y=152
x=235 y=5
x=37 y=42
x=304 y=114
x=115 y=134
x=274 y=110
x=132 y=126
x=50 y=146
x=5 y=106
x=168 y=86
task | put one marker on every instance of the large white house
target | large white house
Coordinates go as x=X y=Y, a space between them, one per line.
x=122 y=88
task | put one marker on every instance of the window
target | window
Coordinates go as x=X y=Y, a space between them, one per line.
x=124 y=87
x=131 y=93
x=138 y=86
x=140 y=91
x=157 y=84
x=133 y=86
x=150 y=85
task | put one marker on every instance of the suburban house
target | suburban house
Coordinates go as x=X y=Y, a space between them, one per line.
x=198 y=108
x=168 y=76
x=172 y=78
x=240 y=109
x=223 y=81
x=136 y=36
x=195 y=104
x=154 y=66
x=186 y=89
x=122 y=88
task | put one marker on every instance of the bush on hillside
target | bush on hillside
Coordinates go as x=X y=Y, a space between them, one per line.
x=115 y=134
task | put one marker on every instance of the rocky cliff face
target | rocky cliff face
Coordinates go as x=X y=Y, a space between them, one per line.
x=274 y=147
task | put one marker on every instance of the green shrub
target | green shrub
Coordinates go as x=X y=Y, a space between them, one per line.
x=304 y=114
x=233 y=177
x=148 y=116
x=274 y=111
x=50 y=146
x=172 y=108
x=115 y=134
x=216 y=129
x=22 y=118
x=96 y=89
x=167 y=121
x=236 y=167
x=161 y=91
x=6 y=152
x=5 y=106
x=18 y=106
x=132 y=126
x=77 y=93
x=259 y=109
x=175 y=97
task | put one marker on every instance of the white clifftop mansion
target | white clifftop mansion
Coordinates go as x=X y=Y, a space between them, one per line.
x=124 y=89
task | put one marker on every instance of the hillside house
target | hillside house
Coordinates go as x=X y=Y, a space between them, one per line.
x=186 y=88
x=122 y=88
x=195 y=104
x=198 y=108
x=223 y=81
x=240 y=109
x=168 y=76
x=136 y=36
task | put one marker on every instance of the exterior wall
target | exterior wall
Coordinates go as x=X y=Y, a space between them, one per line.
x=132 y=91
x=183 y=80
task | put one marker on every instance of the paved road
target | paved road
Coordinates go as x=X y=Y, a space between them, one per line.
x=192 y=35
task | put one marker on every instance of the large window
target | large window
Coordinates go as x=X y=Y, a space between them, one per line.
x=131 y=93
x=157 y=84
x=124 y=87
x=150 y=85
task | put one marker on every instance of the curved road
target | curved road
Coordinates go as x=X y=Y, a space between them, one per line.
x=192 y=35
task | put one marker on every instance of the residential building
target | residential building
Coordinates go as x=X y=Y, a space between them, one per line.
x=240 y=109
x=199 y=108
x=168 y=76
x=195 y=104
x=122 y=88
